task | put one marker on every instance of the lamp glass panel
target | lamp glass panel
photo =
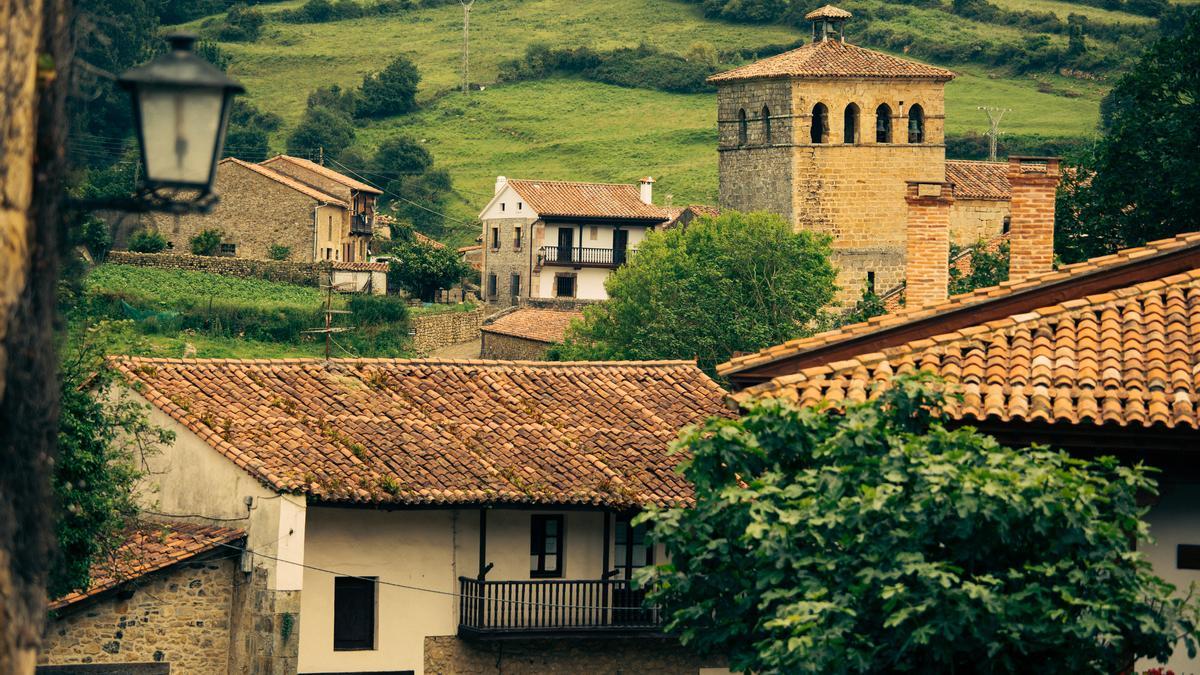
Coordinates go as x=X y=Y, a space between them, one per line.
x=179 y=132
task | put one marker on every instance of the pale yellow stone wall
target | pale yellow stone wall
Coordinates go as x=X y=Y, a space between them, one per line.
x=975 y=219
x=180 y=616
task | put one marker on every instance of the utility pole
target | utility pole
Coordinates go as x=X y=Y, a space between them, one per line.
x=321 y=155
x=994 y=117
x=466 y=81
x=329 y=311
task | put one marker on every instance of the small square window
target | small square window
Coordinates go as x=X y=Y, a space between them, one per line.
x=502 y=206
x=354 y=613
x=228 y=249
x=546 y=546
x=564 y=287
x=520 y=206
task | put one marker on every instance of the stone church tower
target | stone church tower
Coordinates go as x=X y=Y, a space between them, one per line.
x=827 y=136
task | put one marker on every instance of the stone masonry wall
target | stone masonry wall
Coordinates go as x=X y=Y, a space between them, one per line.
x=507 y=259
x=434 y=331
x=179 y=616
x=757 y=175
x=509 y=348
x=255 y=212
x=301 y=273
x=975 y=219
x=449 y=654
x=265 y=628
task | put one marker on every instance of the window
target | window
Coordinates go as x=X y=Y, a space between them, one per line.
x=329 y=225
x=743 y=129
x=520 y=205
x=871 y=282
x=1004 y=226
x=564 y=286
x=594 y=233
x=850 y=124
x=502 y=206
x=517 y=238
x=819 y=133
x=354 y=613
x=495 y=239
x=631 y=550
x=546 y=547
x=491 y=287
x=766 y=117
x=916 y=124
x=883 y=124
x=514 y=285
x=228 y=249
x=1187 y=556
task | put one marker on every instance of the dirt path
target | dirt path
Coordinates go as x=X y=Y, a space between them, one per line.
x=462 y=350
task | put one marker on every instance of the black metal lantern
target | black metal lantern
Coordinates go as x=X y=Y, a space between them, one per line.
x=181 y=109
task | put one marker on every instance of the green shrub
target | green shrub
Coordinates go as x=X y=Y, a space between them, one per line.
x=208 y=242
x=321 y=128
x=96 y=236
x=242 y=24
x=392 y=91
x=279 y=252
x=374 y=309
x=147 y=241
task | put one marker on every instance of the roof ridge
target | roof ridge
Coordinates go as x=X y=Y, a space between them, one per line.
x=571 y=182
x=499 y=363
x=286 y=180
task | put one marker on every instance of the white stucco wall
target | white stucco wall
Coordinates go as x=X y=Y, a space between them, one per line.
x=1175 y=520
x=507 y=204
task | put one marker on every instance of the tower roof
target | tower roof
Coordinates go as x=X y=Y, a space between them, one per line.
x=828 y=12
x=834 y=59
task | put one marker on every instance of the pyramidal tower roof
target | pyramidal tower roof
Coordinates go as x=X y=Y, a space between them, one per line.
x=828 y=56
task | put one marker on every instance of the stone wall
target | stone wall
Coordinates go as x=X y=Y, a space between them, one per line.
x=510 y=348
x=975 y=219
x=756 y=175
x=434 y=331
x=255 y=212
x=179 y=616
x=265 y=628
x=301 y=273
x=507 y=259
x=449 y=654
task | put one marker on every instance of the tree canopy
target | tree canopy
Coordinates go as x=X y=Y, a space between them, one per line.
x=322 y=128
x=421 y=268
x=877 y=540
x=738 y=282
x=393 y=91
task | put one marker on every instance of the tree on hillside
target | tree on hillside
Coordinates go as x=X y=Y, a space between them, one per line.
x=393 y=91
x=249 y=132
x=321 y=128
x=739 y=282
x=877 y=540
x=1142 y=181
x=421 y=269
x=401 y=156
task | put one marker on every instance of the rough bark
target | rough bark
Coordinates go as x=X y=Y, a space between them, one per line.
x=34 y=54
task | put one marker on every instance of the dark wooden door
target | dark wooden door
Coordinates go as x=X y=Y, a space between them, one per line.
x=566 y=240
x=620 y=245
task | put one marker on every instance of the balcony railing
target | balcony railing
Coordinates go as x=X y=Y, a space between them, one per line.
x=576 y=256
x=360 y=224
x=558 y=607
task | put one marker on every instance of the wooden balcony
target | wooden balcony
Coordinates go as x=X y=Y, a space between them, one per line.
x=577 y=256
x=360 y=224
x=554 y=607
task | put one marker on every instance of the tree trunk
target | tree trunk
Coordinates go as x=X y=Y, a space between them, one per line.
x=32 y=138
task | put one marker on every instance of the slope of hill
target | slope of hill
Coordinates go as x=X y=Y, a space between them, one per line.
x=573 y=129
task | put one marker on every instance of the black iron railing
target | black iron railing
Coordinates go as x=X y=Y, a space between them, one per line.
x=518 y=607
x=582 y=256
x=360 y=224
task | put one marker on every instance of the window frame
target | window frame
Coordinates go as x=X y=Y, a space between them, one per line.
x=351 y=645
x=537 y=545
x=495 y=237
x=491 y=285
x=891 y=133
x=623 y=525
x=766 y=119
x=227 y=249
x=850 y=132
x=514 y=284
x=574 y=285
x=818 y=134
x=919 y=119
x=743 y=128
x=517 y=240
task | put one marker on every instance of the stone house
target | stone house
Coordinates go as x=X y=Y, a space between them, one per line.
x=828 y=134
x=1095 y=358
x=430 y=516
x=525 y=333
x=166 y=602
x=280 y=202
x=559 y=240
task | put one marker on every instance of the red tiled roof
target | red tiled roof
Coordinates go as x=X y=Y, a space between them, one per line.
x=326 y=172
x=360 y=266
x=540 y=325
x=288 y=181
x=675 y=213
x=556 y=198
x=827 y=12
x=1130 y=357
x=979 y=180
x=428 y=240
x=441 y=432
x=974 y=301
x=468 y=249
x=150 y=547
x=834 y=59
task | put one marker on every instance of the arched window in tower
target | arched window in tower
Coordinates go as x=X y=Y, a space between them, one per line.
x=916 y=124
x=766 y=115
x=820 y=123
x=850 y=125
x=743 y=130
x=883 y=124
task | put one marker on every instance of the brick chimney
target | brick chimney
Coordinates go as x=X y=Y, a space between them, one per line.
x=927 y=262
x=1034 y=182
x=647 y=190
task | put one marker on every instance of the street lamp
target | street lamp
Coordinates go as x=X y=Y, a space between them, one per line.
x=181 y=109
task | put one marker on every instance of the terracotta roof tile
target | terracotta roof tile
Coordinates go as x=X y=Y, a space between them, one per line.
x=326 y=172
x=827 y=12
x=150 y=547
x=541 y=325
x=1103 y=358
x=979 y=180
x=288 y=181
x=978 y=297
x=556 y=198
x=360 y=266
x=438 y=431
x=834 y=59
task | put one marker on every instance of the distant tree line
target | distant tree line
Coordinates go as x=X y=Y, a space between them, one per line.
x=321 y=11
x=642 y=67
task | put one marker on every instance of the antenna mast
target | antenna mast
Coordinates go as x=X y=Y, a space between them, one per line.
x=994 y=117
x=466 y=81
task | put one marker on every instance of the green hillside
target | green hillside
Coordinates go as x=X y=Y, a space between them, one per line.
x=573 y=129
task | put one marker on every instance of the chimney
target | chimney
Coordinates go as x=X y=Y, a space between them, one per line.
x=501 y=181
x=1033 y=181
x=647 y=190
x=927 y=262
